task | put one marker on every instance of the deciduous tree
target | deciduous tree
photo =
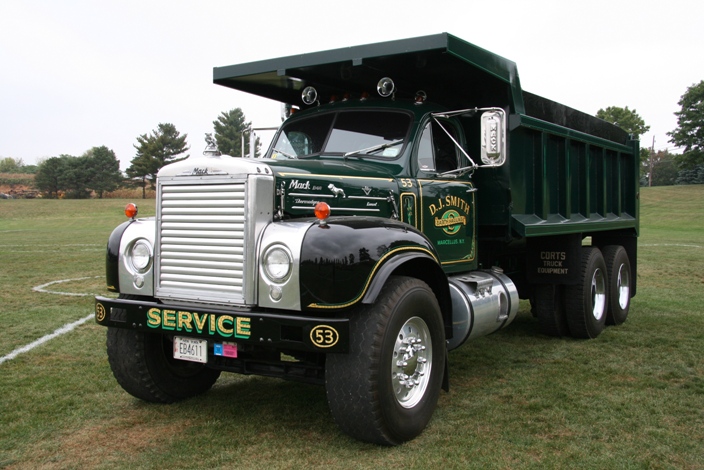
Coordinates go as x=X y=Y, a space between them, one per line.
x=631 y=122
x=626 y=119
x=663 y=169
x=11 y=165
x=690 y=127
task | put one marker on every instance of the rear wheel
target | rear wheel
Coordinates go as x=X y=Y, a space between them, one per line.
x=550 y=310
x=144 y=366
x=586 y=302
x=386 y=388
x=618 y=268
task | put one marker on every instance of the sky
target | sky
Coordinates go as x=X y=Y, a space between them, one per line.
x=77 y=74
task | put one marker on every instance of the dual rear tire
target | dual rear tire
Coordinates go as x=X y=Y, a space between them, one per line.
x=601 y=297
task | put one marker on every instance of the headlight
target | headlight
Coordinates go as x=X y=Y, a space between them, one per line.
x=277 y=263
x=141 y=256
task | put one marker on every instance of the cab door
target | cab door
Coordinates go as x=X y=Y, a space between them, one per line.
x=446 y=201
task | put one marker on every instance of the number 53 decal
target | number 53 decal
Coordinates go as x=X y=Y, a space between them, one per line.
x=406 y=183
x=324 y=336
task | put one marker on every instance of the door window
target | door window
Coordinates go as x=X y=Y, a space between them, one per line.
x=437 y=152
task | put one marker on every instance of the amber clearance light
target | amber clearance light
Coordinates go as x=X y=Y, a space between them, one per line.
x=322 y=212
x=131 y=210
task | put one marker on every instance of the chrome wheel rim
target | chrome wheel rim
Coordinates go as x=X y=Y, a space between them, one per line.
x=411 y=362
x=598 y=290
x=624 y=287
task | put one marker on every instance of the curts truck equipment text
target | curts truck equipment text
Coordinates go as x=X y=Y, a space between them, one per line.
x=409 y=202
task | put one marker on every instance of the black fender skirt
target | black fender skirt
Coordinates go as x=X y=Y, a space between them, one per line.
x=112 y=257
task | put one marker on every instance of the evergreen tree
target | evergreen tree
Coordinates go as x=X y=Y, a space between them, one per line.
x=47 y=177
x=691 y=176
x=75 y=176
x=104 y=170
x=230 y=128
x=161 y=147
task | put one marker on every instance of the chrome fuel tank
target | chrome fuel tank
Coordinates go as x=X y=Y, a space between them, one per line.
x=483 y=302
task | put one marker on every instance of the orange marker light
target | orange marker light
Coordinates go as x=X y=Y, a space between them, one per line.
x=131 y=210
x=322 y=211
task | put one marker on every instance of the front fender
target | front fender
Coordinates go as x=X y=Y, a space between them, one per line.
x=118 y=276
x=112 y=257
x=340 y=261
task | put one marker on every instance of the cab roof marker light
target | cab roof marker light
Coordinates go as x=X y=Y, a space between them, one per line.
x=309 y=95
x=385 y=87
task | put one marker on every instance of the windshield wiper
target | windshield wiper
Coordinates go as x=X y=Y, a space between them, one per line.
x=373 y=148
x=284 y=153
x=458 y=172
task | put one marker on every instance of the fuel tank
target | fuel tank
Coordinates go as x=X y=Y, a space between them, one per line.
x=483 y=302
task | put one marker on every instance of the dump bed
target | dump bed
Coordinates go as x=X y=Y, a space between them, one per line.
x=567 y=171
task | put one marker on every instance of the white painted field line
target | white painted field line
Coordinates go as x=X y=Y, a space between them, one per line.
x=58 y=332
x=43 y=287
x=670 y=244
x=54 y=246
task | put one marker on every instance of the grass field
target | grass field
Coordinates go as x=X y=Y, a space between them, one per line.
x=633 y=398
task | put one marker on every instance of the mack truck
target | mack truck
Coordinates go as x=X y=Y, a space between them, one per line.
x=412 y=196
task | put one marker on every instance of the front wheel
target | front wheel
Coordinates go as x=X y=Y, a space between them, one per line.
x=386 y=388
x=144 y=366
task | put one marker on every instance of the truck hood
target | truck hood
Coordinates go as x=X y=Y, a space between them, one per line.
x=349 y=187
x=206 y=165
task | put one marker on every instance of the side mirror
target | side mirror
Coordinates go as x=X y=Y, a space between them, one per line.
x=493 y=138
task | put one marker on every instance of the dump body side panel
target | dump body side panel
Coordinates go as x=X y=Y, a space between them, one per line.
x=564 y=181
x=561 y=185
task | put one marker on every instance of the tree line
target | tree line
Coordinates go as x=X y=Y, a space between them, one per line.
x=97 y=171
x=661 y=168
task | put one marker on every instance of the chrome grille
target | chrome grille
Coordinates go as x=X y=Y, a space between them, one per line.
x=201 y=242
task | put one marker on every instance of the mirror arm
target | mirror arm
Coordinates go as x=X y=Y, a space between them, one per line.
x=452 y=138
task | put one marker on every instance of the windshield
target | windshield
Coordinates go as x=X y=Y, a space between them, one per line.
x=377 y=133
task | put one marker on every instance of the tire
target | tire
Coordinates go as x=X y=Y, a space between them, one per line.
x=586 y=302
x=386 y=388
x=618 y=267
x=143 y=365
x=550 y=310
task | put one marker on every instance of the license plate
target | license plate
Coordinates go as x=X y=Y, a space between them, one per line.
x=191 y=349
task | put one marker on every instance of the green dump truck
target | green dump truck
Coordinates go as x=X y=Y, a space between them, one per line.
x=411 y=197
